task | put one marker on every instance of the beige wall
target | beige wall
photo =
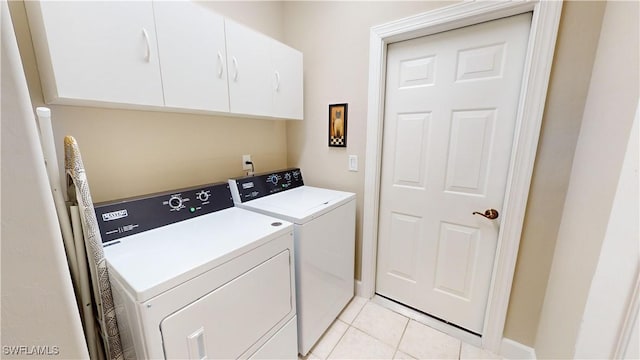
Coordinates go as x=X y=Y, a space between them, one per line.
x=133 y=152
x=608 y=116
x=266 y=17
x=570 y=75
x=336 y=70
x=334 y=38
x=609 y=302
x=129 y=153
x=37 y=294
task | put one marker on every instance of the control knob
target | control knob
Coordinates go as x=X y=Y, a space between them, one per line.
x=273 y=178
x=287 y=176
x=203 y=195
x=175 y=202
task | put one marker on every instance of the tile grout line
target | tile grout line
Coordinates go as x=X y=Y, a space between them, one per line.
x=375 y=337
x=340 y=339
x=359 y=311
x=397 y=346
x=404 y=331
x=348 y=326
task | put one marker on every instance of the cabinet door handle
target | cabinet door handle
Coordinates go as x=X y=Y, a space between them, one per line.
x=147 y=54
x=235 y=65
x=277 y=81
x=221 y=67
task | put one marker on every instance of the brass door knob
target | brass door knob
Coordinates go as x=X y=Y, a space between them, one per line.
x=489 y=214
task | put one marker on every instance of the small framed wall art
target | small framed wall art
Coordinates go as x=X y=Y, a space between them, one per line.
x=338 y=125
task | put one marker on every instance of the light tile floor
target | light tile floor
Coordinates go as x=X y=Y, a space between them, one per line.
x=366 y=330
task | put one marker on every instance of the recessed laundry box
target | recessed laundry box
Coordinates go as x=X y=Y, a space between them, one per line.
x=324 y=235
x=194 y=277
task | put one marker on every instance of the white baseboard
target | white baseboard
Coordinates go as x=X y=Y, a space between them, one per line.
x=358 y=285
x=510 y=349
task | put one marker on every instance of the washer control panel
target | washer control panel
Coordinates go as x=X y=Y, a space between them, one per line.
x=257 y=186
x=120 y=218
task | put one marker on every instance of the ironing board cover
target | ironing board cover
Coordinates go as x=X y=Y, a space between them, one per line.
x=78 y=191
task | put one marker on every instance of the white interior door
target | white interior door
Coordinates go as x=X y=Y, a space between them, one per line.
x=450 y=112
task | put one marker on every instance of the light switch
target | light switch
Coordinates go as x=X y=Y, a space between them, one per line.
x=353 y=162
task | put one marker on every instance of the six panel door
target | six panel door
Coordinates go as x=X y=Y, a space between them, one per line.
x=450 y=114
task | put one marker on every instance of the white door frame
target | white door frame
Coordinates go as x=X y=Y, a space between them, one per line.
x=539 y=57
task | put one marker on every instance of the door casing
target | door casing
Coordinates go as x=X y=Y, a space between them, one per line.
x=539 y=57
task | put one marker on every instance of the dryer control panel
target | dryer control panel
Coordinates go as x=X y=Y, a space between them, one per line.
x=120 y=218
x=256 y=186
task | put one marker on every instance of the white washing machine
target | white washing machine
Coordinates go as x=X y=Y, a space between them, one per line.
x=195 y=278
x=324 y=235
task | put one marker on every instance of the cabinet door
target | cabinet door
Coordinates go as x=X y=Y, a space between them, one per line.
x=249 y=70
x=192 y=52
x=287 y=77
x=97 y=51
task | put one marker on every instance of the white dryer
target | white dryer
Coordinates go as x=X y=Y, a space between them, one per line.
x=194 y=277
x=324 y=235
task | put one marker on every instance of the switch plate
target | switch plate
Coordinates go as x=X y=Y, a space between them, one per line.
x=246 y=158
x=353 y=162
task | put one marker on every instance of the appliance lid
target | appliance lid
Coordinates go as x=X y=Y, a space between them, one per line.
x=301 y=204
x=151 y=262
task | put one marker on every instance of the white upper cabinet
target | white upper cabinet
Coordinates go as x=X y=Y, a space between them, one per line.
x=265 y=76
x=193 y=56
x=249 y=59
x=287 y=81
x=162 y=55
x=96 y=53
